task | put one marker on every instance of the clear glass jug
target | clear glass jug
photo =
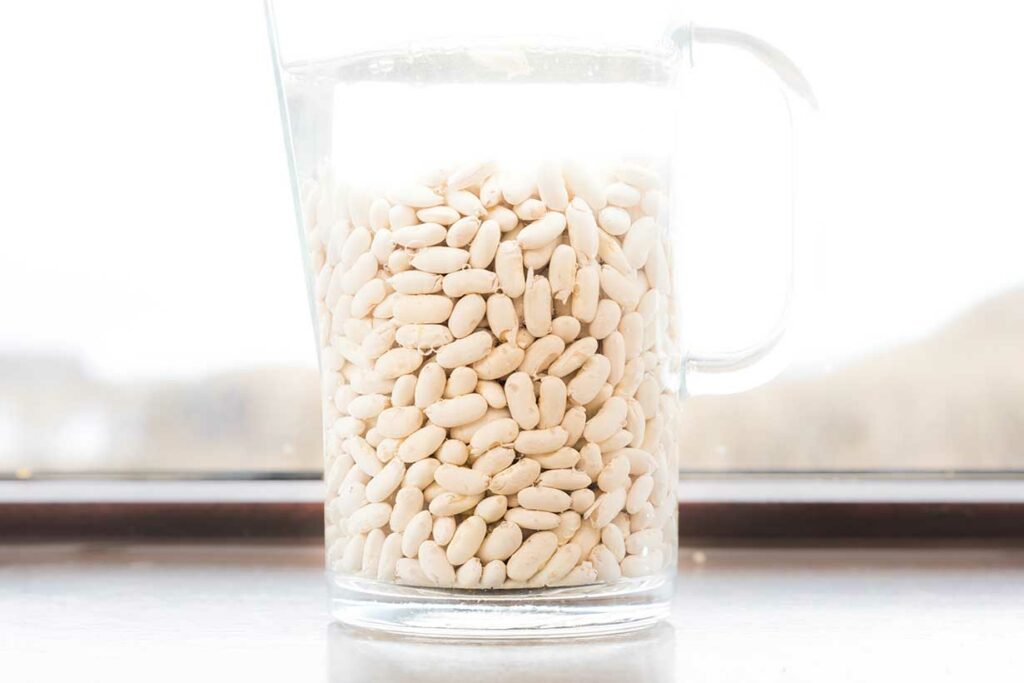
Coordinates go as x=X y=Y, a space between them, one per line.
x=486 y=201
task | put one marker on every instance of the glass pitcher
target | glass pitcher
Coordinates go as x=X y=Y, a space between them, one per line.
x=486 y=201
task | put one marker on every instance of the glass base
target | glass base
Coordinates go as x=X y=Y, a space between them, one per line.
x=571 y=612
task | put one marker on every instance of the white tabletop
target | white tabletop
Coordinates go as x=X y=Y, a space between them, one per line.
x=115 y=612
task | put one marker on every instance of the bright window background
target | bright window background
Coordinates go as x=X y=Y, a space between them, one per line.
x=152 y=306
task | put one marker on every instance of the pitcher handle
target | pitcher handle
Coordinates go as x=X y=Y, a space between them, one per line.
x=741 y=369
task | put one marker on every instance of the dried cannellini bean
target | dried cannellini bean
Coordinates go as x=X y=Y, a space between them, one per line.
x=543 y=498
x=443 y=531
x=530 y=210
x=440 y=260
x=415 y=282
x=462 y=381
x=453 y=452
x=400 y=260
x=508 y=265
x=502 y=317
x=619 y=288
x=538 y=441
x=448 y=504
x=453 y=412
x=467 y=540
x=562 y=271
x=505 y=217
x=582 y=499
x=614 y=220
x=584 y=184
x=586 y=293
x=501 y=361
x=557 y=567
x=540 y=354
x=462 y=231
x=390 y=554
x=465 y=351
x=551 y=402
x=606 y=320
x=400 y=216
x=503 y=540
x=586 y=537
x=521 y=400
x=566 y=328
x=494 y=461
x=515 y=478
x=398 y=423
x=421 y=444
x=442 y=215
x=534 y=520
x=467 y=203
x=485 y=244
x=551 y=186
x=435 y=565
x=637 y=244
x=591 y=462
x=542 y=232
x=564 y=479
x=492 y=508
x=423 y=337
x=614 y=349
x=421 y=474
x=537 y=305
x=637 y=175
x=385 y=482
x=573 y=423
x=408 y=502
x=422 y=308
x=622 y=194
x=471 y=281
x=569 y=523
x=532 y=555
x=466 y=315
x=461 y=480
x=493 y=575
x=419 y=236
x=492 y=392
x=582 y=230
x=382 y=246
x=517 y=187
x=562 y=458
x=469 y=574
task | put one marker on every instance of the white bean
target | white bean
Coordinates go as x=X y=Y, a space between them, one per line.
x=462 y=480
x=542 y=232
x=466 y=315
x=551 y=186
x=521 y=400
x=453 y=412
x=467 y=540
x=532 y=555
x=501 y=542
x=508 y=264
x=440 y=260
x=465 y=351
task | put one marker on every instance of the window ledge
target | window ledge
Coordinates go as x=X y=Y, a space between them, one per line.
x=712 y=510
x=692 y=489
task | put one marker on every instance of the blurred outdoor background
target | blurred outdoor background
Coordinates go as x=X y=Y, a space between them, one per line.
x=153 y=316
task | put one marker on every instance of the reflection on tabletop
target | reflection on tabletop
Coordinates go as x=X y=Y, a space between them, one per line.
x=357 y=656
